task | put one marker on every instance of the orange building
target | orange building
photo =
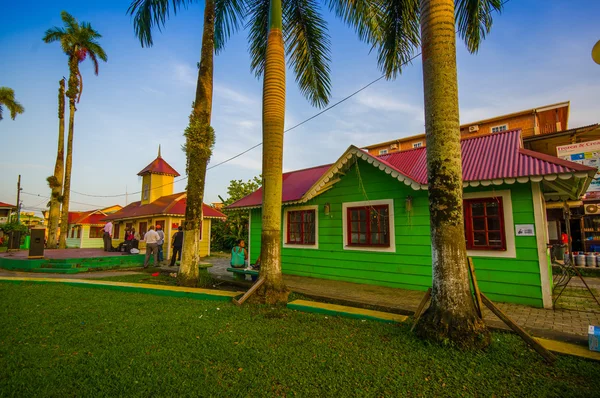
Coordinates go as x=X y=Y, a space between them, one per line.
x=532 y=122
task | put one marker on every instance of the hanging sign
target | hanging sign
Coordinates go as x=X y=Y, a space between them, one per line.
x=588 y=154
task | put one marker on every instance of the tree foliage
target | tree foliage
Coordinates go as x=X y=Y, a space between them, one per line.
x=224 y=234
x=7 y=99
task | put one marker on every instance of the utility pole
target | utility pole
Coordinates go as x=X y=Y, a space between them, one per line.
x=19 y=200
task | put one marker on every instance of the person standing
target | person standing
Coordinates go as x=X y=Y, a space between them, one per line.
x=176 y=245
x=107 y=236
x=161 y=235
x=151 y=238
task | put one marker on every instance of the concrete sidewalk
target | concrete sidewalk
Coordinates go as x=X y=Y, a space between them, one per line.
x=562 y=323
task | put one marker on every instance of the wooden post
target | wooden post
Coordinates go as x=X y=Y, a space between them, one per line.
x=547 y=355
x=421 y=307
x=478 y=304
x=249 y=293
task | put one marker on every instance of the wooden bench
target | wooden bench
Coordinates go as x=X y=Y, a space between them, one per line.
x=240 y=273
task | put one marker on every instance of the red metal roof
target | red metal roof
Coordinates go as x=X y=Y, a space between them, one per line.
x=2 y=204
x=295 y=185
x=488 y=157
x=159 y=166
x=86 y=217
x=171 y=204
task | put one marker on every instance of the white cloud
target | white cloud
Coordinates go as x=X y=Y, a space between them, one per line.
x=185 y=74
x=385 y=103
x=233 y=95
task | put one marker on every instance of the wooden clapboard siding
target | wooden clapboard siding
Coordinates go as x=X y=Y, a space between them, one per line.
x=409 y=267
x=89 y=243
x=73 y=242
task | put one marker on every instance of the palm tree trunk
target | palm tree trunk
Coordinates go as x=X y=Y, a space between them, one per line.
x=72 y=94
x=199 y=142
x=56 y=180
x=273 y=290
x=451 y=315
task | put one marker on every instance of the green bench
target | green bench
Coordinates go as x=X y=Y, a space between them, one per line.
x=240 y=273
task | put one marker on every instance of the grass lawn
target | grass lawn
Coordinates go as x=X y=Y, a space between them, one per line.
x=61 y=340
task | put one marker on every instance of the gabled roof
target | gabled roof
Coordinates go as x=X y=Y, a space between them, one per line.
x=165 y=205
x=4 y=205
x=159 y=166
x=91 y=217
x=295 y=185
x=490 y=159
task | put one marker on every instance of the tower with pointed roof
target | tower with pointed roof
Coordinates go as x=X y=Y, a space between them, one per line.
x=157 y=180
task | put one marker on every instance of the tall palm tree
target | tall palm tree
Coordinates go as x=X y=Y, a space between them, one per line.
x=395 y=35
x=221 y=19
x=7 y=98
x=55 y=181
x=78 y=41
x=295 y=28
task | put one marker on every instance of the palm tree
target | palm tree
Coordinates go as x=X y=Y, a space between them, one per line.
x=221 y=19
x=7 y=98
x=296 y=28
x=55 y=181
x=395 y=35
x=78 y=41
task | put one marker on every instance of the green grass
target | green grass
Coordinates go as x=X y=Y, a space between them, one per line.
x=144 y=277
x=60 y=340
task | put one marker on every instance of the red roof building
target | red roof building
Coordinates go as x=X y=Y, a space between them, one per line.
x=486 y=160
x=159 y=206
x=5 y=212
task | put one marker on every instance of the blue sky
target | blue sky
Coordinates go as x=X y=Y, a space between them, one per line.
x=538 y=53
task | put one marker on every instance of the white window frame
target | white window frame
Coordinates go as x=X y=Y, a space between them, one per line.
x=417 y=144
x=509 y=225
x=383 y=151
x=287 y=245
x=146 y=192
x=391 y=223
x=505 y=125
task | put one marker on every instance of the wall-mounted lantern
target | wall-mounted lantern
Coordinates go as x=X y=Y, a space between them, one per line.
x=327 y=209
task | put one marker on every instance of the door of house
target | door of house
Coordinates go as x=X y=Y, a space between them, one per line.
x=143 y=227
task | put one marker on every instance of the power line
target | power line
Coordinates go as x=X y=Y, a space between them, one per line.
x=260 y=143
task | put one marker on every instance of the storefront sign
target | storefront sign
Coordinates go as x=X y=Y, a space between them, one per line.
x=588 y=154
x=524 y=229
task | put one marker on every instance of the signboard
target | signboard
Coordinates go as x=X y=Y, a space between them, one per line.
x=524 y=230
x=588 y=154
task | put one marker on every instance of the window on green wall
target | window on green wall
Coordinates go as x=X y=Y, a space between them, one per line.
x=484 y=224
x=368 y=226
x=96 y=232
x=116 y=230
x=301 y=227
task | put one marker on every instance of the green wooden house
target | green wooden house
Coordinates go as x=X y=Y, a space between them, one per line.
x=365 y=219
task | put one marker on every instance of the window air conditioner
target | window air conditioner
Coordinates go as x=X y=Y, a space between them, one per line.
x=473 y=129
x=394 y=146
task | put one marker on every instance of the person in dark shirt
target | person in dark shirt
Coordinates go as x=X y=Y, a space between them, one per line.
x=176 y=244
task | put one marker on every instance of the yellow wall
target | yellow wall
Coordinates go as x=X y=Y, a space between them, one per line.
x=169 y=232
x=159 y=185
x=87 y=242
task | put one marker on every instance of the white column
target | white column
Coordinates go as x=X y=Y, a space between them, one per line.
x=541 y=229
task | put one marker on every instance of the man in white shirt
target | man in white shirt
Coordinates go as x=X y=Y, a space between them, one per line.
x=151 y=238
x=161 y=235
x=107 y=236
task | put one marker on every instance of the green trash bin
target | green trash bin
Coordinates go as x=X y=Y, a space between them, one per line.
x=25 y=245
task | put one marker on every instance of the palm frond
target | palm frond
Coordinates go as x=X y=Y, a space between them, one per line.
x=7 y=98
x=362 y=15
x=53 y=34
x=97 y=51
x=150 y=13
x=308 y=48
x=229 y=17
x=70 y=21
x=474 y=20
x=397 y=36
x=258 y=31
